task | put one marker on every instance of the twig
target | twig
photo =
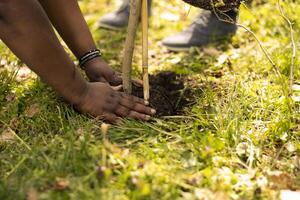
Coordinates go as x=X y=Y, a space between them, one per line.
x=16 y=135
x=294 y=48
x=145 y=50
x=231 y=21
x=16 y=167
x=135 y=8
x=275 y=67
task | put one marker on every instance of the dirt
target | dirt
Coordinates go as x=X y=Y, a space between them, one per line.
x=168 y=93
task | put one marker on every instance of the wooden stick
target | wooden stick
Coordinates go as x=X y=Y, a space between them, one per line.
x=135 y=10
x=145 y=50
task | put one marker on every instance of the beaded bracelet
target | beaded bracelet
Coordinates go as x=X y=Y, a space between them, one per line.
x=89 y=56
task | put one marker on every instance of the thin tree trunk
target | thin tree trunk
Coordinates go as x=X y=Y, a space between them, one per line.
x=135 y=10
x=145 y=49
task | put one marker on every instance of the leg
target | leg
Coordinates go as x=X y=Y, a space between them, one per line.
x=69 y=22
x=118 y=19
x=27 y=32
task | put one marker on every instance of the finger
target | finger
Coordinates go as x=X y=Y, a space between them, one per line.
x=122 y=111
x=112 y=102
x=110 y=117
x=98 y=79
x=144 y=109
x=116 y=79
x=131 y=104
x=103 y=80
x=137 y=82
x=133 y=98
x=117 y=88
x=138 y=116
x=139 y=101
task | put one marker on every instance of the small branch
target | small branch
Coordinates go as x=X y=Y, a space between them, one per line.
x=294 y=48
x=135 y=8
x=145 y=50
x=231 y=21
x=16 y=135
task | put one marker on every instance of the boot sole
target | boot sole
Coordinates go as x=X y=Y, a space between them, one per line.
x=184 y=49
x=109 y=27
x=178 y=49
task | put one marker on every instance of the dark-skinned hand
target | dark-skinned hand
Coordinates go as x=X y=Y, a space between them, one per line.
x=100 y=100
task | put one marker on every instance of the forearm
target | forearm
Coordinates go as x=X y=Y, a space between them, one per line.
x=69 y=22
x=27 y=32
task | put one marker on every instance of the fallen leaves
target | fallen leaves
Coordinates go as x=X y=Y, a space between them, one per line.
x=289 y=195
x=32 y=110
x=61 y=184
x=32 y=194
x=296 y=161
x=169 y=16
x=281 y=180
x=7 y=135
x=211 y=51
x=23 y=74
x=10 y=97
x=243 y=149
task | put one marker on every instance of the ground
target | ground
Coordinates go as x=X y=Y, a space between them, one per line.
x=240 y=139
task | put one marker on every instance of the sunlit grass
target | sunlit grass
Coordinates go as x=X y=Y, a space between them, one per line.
x=239 y=141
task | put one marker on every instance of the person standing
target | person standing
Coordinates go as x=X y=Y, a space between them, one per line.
x=205 y=28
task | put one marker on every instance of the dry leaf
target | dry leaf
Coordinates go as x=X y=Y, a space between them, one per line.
x=221 y=196
x=32 y=194
x=104 y=128
x=289 y=195
x=296 y=87
x=281 y=180
x=222 y=59
x=175 y=60
x=14 y=123
x=211 y=51
x=23 y=73
x=203 y=194
x=169 y=16
x=10 y=97
x=296 y=161
x=291 y=147
x=3 y=62
x=61 y=184
x=80 y=132
x=32 y=110
x=7 y=135
x=243 y=149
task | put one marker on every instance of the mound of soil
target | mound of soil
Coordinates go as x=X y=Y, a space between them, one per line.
x=168 y=94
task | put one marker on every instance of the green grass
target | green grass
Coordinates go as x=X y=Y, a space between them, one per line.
x=241 y=140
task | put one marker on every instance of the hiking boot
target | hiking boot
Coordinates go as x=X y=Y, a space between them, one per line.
x=205 y=29
x=118 y=19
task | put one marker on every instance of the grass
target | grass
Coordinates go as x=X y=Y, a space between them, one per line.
x=241 y=140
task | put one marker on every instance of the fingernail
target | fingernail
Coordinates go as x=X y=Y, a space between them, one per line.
x=147 y=117
x=146 y=103
x=153 y=111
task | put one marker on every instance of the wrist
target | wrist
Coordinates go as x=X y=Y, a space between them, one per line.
x=76 y=89
x=88 y=57
x=94 y=62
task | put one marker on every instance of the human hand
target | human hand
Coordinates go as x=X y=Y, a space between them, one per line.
x=98 y=70
x=100 y=100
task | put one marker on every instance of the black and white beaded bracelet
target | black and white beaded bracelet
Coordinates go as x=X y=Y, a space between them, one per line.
x=89 y=56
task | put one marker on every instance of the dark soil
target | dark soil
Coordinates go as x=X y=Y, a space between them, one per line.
x=168 y=93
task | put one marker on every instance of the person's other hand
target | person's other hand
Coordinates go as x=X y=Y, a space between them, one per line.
x=100 y=100
x=98 y=70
